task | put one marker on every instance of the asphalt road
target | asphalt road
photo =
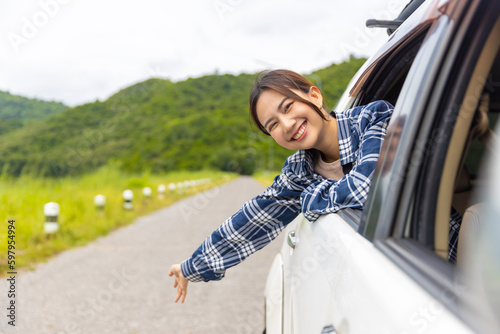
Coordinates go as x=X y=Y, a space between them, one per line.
x=120 y=283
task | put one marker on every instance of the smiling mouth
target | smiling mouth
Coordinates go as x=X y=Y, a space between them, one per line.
x=300 y=132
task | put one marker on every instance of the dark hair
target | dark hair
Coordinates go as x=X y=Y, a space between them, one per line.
x=283 y=82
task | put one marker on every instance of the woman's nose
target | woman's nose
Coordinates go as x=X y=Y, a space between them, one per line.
x=288 y=123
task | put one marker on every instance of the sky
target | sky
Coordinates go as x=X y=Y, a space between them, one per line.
x=78 y=51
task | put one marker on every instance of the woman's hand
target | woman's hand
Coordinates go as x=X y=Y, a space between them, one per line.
x=180 y=282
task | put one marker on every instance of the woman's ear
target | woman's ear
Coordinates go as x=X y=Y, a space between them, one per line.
x=316 y=96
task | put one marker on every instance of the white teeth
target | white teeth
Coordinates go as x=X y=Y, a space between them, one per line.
x=300 y=132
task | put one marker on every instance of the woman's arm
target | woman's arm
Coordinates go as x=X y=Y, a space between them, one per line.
x=254 y=226
x=366 y=131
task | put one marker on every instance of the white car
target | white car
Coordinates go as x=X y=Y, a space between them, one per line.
x=384 y=269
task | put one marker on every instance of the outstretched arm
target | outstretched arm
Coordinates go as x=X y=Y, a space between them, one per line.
x=180 y=282
x=254 y=226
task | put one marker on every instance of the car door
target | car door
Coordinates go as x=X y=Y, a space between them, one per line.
x=383 y=270
x=418 y=181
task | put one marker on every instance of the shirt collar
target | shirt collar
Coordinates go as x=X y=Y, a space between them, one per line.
x=304 y=159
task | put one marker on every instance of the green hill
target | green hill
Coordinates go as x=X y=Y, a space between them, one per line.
x=158 y=125
x=17 y=111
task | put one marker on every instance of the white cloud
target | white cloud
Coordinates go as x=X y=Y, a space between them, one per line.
x=76 y=51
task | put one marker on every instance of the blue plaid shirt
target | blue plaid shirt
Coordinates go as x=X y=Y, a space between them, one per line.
x=361 y=131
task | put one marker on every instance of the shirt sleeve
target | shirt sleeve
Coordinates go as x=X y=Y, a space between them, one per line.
x=327 y=195
x=255 y=225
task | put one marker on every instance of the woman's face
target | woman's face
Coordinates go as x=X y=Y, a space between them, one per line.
x=292 y=124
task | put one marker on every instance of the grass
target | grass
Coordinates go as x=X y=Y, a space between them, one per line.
x=265 y=177
x=80 y=222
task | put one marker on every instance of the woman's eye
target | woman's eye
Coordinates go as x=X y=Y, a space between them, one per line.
x=287 y=107
x=272 y=126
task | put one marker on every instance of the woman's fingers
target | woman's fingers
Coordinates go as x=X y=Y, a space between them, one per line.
x=179 y=282
x=184 y=292
x=179 y=294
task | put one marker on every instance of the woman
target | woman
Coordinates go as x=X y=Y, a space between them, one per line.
x=332 y=169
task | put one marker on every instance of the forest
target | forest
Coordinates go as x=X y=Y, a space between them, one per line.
x=157 y=125
x=17 y=111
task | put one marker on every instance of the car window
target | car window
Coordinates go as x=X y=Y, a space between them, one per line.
x=480 y=265
x=389 y=73
x=479 y=147
x=449 y=177
x=383 y=78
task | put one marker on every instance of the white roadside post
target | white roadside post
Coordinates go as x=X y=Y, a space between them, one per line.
x=161 y=191
x=171 y=188
x=128 y=196
x=180 y=185
x=51 y=211
x=99 y=201
x=146 y=191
